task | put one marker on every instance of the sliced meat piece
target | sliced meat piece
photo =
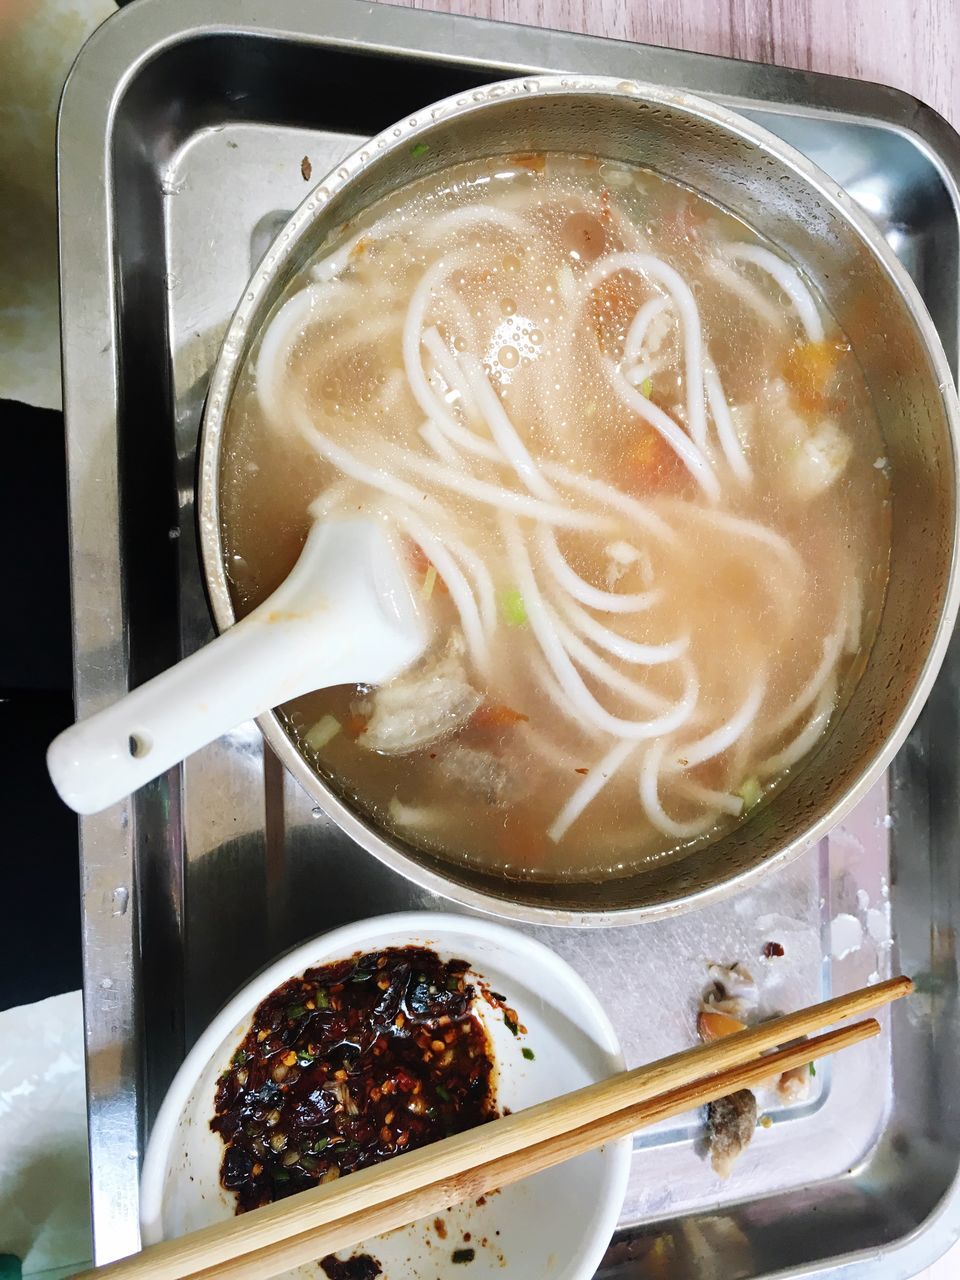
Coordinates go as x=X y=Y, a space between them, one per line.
x=731 y=1122
x=734 y=991
x=422 y=705
x=814 y=451
x=479 y=771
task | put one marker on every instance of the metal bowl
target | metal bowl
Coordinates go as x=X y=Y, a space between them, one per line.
x=781 y=194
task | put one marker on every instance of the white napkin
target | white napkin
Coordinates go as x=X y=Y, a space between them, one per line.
x=44 y=1185
x=39 y=40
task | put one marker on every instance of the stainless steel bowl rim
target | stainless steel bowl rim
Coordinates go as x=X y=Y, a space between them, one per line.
x=230 y=362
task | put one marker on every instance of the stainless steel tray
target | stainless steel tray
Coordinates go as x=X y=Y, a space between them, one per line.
x=182 y=136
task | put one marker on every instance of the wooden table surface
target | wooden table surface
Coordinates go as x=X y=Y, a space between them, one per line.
x=913 y=44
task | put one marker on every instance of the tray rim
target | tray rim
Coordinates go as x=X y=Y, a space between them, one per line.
x=107 y=64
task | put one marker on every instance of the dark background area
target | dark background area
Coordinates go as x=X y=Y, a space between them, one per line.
x=40 y=899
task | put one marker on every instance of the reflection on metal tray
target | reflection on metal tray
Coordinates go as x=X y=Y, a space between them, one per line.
x=180 y=156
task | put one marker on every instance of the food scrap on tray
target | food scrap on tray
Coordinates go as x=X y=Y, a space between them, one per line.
x=729 y=1004
x=348 y=1065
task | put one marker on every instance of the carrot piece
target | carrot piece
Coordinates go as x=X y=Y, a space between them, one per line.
x=354 y=725
x=713 y=1025
x=420 y=565
x=534 y=161
x=613 y=304
x=809 y=369
x=493 y=715
x=650 y=463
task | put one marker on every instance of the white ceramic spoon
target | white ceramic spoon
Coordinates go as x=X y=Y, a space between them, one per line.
x=345 y=615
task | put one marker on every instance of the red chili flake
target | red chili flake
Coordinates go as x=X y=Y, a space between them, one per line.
x=339 y=1110
x=771 y=949
x=583 y=771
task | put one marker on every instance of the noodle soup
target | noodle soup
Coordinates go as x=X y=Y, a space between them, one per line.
x=640 y=485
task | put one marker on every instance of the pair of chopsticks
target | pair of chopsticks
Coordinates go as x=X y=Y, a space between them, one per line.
x=341 y=1214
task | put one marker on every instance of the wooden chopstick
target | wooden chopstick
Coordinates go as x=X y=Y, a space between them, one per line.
x=325 y=1219
x=437 y=1196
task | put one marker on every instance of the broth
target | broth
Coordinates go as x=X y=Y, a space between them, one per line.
x=642 y=491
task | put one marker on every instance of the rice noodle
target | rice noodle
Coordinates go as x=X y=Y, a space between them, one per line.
x=548 y=682
x=649 y=780
x=456 y=584
x=788 y=278
x=641 y=324
x=563 y=669
x=503 y=430
x=662 y=273
x=548 y=749
x=457 y=220
x=352 y=466
x=438 y=442
x=851 y=640
x=722 y=738
x=608 y=495
x=724 y=801
x=331 y=264
x=446 y=365
x=743 y=528
x=423 y=296
x=722 y=420
x=805 y=739
x=649 y=655
x=637 y=374
x=586 y=592
x=747 y=291
x=493 y=495
x=830 y=652
x=588 y=790
x=276 y=342
x=605 y=672
x=689 y=453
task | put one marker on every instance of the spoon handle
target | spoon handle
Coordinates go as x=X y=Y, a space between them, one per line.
x=344 y=615
x=242 y=673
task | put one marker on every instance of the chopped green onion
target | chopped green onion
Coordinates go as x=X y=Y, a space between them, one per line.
x=305 y=1059
x=296 y=1011
x=750 y=792
x=280 y=1175
x=429 y=582
x=463 y=1255
x=319 y=1145
x=646 y=386
x=512 y=1027
x=528 y=1054
x=442 y=1093
x=813 y=1069
x=512 y=607
x=324 y=731
x=239 y=1058
x=322 y=999
x=419 y=149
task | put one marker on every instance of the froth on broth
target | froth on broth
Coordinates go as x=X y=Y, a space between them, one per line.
x=639 y=481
